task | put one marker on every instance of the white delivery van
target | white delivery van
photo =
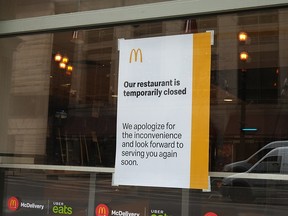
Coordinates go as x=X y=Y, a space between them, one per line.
x=242 y=166
x=267 y=178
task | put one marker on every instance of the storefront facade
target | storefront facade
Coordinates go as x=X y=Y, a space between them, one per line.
x=58 y=128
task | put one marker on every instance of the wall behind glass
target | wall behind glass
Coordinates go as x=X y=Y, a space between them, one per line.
x=17 y=9
x=67 y=116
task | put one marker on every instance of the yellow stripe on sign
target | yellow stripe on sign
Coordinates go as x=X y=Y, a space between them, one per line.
x=200 y=111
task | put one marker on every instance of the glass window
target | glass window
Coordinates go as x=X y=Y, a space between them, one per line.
x=58 y=94
x=55 y=115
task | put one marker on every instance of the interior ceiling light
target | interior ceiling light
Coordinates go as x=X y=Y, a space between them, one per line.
x=244 y=56
x=69 y=68
x=62 y=65
x=228 y=100
x=249 y=129
x=242 y=36
x=65 y=59
x=58 y=57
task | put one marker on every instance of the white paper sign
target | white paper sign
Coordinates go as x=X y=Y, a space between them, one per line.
x=155 y=112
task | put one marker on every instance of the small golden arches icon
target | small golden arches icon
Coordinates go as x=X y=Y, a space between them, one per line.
x=134 y=53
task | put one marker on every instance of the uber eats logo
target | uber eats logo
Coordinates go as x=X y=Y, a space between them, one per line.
x=157 y=212
x=61 y=209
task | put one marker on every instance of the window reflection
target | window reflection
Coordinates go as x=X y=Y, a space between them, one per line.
x=59 y=116
x=268 y=165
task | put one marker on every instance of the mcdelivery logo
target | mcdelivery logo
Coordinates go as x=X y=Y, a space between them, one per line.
x=13 y=203
x=102 y=210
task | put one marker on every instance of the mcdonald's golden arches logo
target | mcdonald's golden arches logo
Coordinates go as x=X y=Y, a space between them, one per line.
x=13 y=203
x=136 y=53
x=102 y=210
